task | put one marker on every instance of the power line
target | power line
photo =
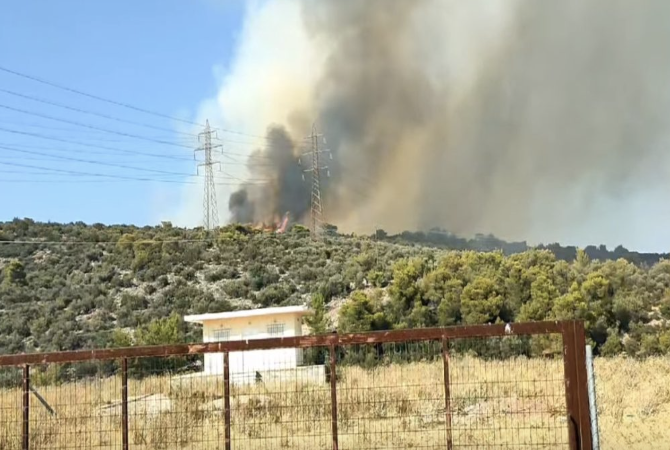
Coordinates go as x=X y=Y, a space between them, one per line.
x=122 y=104
x=248 y=144
x=114 y=149
x=83 y=134
x=103 y=175
x=94 y=135
x=92 y=127
x=76 y=172
x=171 y=159
x=52 y=157
x=26 y=172
x=93 y=113
x=36 y=172
x=25 y=180
x=26 y=158
x=106 y=130
x=96 y=97
x=100 y=163
x=69 y=141
x=46 y=127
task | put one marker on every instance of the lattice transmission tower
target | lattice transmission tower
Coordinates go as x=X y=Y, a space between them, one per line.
x=316 y=215
x=209 y=207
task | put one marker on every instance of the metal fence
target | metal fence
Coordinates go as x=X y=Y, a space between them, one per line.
x=448 y=388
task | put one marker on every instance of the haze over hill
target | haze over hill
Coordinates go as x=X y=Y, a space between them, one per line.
x=540 y=121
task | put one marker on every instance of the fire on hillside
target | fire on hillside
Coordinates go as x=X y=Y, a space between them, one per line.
x=278 y=226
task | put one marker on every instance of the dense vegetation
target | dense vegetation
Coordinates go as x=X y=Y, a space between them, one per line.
x=78 y=286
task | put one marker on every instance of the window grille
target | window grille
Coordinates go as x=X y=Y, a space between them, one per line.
x=220 y=335
x=276 y=329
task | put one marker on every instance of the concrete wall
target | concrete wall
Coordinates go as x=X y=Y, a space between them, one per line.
x=253 y=328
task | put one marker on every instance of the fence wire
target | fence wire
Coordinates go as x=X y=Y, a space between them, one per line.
x=171 y=405
x=68 y=405
x=510 y=401
x=11 y=410
x=391 y=396
x=285 y=406
x=457 y=393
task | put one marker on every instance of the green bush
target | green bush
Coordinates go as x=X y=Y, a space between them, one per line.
x=223 y=273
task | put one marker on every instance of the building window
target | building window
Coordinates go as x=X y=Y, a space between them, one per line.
x=276 y=330
x=220 y=335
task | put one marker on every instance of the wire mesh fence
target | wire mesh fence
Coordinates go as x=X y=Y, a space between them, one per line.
x=509 y=401
x=288 y=406
x=465 y=387
x=391 y=396
x=11 y=410
x=395 y=396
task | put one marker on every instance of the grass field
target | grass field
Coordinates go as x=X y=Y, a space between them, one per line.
x=494 y=404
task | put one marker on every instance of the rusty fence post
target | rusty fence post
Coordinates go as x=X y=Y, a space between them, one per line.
x=333 y=397
x=26 y=408
x=447 y=391
x=124 y=403
x=576 y=385
x=226 y=399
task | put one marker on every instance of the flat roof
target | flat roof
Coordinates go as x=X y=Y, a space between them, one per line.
x=199 y=318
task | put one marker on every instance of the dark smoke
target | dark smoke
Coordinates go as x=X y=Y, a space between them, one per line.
x=241 y=208
x=525 y=135
x=277 y=184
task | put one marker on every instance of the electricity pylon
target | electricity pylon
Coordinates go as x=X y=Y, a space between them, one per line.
x=209 y=206
x=316 y=214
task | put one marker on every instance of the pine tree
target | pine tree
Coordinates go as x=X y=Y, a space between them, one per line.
x=317 y=320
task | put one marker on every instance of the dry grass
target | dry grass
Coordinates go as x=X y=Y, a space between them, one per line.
x=503 y=403
x=633 y=403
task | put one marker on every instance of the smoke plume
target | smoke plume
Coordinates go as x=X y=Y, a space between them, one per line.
x=531 y=119
x=282 y=188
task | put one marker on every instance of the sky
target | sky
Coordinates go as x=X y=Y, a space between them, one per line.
x=242 y=64
x=161 y=55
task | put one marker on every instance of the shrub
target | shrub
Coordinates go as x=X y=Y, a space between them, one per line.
x=223 y=273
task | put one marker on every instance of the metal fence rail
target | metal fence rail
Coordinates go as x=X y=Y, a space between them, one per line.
x=438 y=388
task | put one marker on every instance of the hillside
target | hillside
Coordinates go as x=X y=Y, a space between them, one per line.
x=71 y=286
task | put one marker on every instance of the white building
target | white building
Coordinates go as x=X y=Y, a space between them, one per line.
x=253 y=324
